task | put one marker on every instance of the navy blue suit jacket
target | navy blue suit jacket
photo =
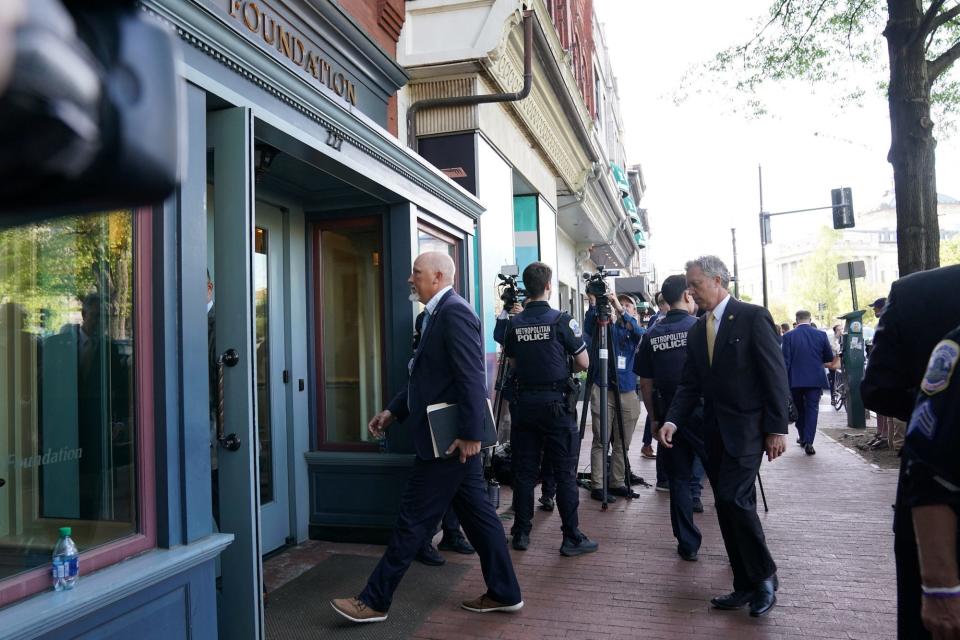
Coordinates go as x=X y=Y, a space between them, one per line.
x=805 y=351
x=448 y=366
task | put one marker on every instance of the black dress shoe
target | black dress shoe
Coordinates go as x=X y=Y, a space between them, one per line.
x=546 y=503
x=597 y=494
x=810 y=450
x=763 y=598
x=456 y=543
x=689 y=556
x=733 y=600
x=521 y=541
x=624 y=492
x=429 y=556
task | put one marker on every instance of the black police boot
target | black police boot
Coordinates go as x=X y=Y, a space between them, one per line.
x=764 y=598
x=577 y=545
x=456 y=542
x=521 y=541
x=546 y=503
x=733 y=600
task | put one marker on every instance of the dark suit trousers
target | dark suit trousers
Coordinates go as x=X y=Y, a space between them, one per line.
x=678 y=463
x=432 y=487
x=807 y=400
x=734 y=490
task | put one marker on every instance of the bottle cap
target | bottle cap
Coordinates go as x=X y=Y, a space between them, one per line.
x=65 y=531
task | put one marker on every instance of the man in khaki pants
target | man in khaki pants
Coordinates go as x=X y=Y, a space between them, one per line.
x=626 y=333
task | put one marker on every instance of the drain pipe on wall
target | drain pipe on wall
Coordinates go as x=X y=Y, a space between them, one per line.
x=459 y=101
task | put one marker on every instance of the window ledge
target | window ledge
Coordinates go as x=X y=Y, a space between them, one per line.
x=30 y=618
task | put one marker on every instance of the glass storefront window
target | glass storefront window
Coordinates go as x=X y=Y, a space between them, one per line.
x=67 y=431
x=350 y=315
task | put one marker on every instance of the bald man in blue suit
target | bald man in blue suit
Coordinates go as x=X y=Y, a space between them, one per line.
x=448 y=366
x=806 y=351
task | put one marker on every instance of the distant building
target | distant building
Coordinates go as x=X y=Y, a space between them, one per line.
x=873 y=240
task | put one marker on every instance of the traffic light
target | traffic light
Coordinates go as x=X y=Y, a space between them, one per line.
x=842 y=200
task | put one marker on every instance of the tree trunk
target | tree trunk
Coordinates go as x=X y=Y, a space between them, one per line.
x=912 y=143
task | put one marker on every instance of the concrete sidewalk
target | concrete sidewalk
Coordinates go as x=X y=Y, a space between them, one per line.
x=828 y=529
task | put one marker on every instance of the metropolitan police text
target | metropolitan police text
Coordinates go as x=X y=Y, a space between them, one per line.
x=669 y=341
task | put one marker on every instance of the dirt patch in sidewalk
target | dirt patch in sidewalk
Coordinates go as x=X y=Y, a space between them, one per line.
x=857 y=439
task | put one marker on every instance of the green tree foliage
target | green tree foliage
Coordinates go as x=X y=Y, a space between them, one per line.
x=816 y=281
x=840 y=43
x=950 y=251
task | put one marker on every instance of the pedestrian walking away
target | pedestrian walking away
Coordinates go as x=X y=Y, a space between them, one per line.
x=735 y=364
x=806 y=351
x=448 y=366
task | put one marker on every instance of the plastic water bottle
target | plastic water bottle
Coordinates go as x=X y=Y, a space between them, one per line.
x=66 y=562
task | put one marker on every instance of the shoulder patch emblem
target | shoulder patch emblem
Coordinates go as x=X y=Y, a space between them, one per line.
x=575 y=327
x=943 y=361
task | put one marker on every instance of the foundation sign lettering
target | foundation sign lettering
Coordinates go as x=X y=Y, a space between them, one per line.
x=260 y=22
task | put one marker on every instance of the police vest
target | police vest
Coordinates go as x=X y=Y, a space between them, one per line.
x=933 y=435
x=668 y=344
x=540 y=358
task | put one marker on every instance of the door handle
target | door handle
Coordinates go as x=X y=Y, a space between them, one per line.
x=228 y=358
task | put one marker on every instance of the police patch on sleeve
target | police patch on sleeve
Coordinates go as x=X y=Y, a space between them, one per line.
x=575 y=327
x=940 y=368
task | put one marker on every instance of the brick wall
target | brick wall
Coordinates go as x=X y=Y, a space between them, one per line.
x=382 y=20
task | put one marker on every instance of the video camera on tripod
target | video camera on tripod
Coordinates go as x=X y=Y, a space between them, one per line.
x=511 y=293
x=597 y=283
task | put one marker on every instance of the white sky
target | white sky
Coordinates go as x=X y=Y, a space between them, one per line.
x=700 y=161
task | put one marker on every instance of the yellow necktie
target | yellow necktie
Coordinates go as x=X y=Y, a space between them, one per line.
x=711 y=336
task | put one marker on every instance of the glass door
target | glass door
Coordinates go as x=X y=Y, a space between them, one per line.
x=270 y=413
x=348 y=270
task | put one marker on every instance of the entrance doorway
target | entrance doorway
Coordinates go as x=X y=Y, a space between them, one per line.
x=269 y=300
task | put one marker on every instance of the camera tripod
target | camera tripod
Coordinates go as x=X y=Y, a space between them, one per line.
x=603 y=351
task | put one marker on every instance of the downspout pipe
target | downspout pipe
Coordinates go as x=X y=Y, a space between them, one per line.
x=458 y=101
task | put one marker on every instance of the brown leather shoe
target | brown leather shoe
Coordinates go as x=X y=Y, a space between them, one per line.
x=486 y=604
x=354 y=610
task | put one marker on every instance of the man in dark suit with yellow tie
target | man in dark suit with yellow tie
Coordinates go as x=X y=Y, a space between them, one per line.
x=734 y=362
x=448 y=366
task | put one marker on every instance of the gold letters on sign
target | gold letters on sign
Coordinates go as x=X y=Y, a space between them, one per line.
x=258 y=19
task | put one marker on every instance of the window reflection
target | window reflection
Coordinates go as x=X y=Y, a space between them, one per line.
x=67 y=433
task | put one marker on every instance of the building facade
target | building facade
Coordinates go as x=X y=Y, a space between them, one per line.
x=298 y=215
x=187 y=384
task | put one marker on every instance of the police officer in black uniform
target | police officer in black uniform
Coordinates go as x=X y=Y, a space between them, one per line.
x=930 y=488
x=659 y=365
x=539 y=343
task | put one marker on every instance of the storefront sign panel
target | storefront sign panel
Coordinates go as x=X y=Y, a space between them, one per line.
x=270 y=30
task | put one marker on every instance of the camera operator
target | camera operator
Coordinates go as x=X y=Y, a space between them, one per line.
x=539 y=344
x=626 y=334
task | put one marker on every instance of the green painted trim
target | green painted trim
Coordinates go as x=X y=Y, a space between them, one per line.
x=32 y=617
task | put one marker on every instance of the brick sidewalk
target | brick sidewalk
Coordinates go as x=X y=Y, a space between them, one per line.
x=828 y=529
